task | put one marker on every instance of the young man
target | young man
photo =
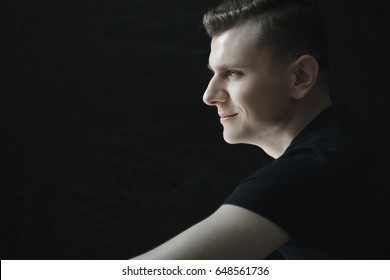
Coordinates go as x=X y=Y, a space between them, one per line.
x=270 y=87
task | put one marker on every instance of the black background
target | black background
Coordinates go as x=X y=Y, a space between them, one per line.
x=107 y=149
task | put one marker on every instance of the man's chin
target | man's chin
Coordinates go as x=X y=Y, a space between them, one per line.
x=231 y=140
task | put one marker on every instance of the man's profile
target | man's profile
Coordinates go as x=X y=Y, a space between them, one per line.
x=270 y=88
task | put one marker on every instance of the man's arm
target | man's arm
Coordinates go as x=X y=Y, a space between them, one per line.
x=232 y=232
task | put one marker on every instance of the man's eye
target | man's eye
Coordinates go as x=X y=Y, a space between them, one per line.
x=232 y=73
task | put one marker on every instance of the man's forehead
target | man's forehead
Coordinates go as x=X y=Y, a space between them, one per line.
x=228 y=51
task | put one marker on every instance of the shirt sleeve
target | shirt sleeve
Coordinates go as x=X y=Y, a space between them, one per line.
x=290 y=192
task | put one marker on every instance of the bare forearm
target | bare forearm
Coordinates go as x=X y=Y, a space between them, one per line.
x=230 y=233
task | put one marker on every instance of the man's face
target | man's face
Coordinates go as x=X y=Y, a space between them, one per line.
x=249 y=87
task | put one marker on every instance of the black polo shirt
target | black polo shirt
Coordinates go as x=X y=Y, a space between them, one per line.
x=327 y=191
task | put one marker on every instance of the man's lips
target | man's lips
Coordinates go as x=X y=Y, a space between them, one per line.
x=227 y=117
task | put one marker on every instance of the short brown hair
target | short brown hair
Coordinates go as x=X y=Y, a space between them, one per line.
x=289 y=28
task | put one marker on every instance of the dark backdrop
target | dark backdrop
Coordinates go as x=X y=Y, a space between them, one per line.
x=107 y=149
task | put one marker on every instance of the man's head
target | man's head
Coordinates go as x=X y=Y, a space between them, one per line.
x=287 y=28
x=267 y=81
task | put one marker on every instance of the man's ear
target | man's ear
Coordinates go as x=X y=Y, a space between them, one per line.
x=305 y=73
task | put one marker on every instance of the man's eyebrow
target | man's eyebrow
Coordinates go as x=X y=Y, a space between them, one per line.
x=227 y=66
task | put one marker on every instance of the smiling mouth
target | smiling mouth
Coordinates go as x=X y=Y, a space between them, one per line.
x=228 y=117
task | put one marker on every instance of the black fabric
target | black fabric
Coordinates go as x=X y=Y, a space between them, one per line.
x=324 y=192
x=107 y=149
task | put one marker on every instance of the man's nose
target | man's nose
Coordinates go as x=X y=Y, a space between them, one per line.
x=215 y=93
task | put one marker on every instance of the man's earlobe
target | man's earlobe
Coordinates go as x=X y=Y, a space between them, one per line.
x=305 y=70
